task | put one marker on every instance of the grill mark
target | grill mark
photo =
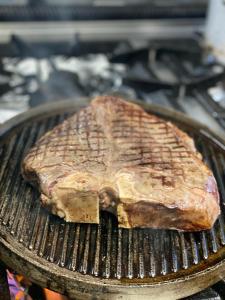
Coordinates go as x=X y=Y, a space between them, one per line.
x=44 y=127
x=54 y=149
x=98 y=139
x=141 y=129
x=155 y=162
x=147 y=141
x=65 y=148
x=137 y=128
x=97 y=156
x=77 y=122
x=141 y=137
x=87 y=131
x=160 y=155
x=157 y=148
x=153 y=120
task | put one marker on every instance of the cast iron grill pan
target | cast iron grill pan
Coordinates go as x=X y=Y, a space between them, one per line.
x=105 y=253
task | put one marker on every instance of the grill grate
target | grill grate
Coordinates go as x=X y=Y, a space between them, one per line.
x=99 y=250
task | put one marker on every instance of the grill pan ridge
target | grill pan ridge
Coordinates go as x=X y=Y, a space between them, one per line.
x=116 y=261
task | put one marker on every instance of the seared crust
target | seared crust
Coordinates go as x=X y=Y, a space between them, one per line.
x=149 y=170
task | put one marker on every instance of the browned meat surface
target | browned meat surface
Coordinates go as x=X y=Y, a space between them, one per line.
x=114 y=156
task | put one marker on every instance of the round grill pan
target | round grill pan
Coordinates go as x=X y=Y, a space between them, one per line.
x=87 y=261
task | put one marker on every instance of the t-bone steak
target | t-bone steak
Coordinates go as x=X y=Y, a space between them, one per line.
x=114 y=156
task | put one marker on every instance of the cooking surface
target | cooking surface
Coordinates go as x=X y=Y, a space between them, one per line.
x=103 y=251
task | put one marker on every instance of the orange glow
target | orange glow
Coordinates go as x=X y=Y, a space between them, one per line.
x=53 y=296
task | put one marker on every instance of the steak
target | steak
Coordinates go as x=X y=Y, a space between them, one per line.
x=114 y=156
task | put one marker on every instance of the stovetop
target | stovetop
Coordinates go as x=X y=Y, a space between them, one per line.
x=176 y=73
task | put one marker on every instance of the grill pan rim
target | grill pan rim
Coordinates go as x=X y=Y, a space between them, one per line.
x=90 y=283
x=51 y=109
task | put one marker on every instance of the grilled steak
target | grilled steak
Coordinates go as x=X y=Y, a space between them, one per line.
x=114 y=156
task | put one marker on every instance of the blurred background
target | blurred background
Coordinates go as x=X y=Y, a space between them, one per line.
x=167 y=52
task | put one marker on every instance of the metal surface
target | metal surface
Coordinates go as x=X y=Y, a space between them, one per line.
x=215 y=36
x=101 y=11
x=101 y=30
x=83 y=260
